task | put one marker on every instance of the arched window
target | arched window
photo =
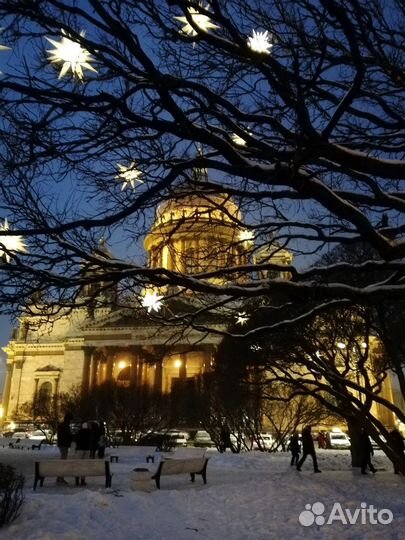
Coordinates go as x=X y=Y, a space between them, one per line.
x=45 y=391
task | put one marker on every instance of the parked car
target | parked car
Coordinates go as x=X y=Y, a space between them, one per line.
x=202 y=439
x=40 y=435
x=337 y=439
x=180 y=438
x=20 y=435
x=266 y=442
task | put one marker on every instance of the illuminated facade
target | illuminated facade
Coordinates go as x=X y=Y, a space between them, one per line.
x=191 y=234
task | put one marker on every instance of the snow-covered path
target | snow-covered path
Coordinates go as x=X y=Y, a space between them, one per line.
x=249 y=496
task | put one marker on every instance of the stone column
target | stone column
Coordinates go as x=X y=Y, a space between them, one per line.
x=183 y=367
x=93 y=371
x=158 y=376
x=6 y=392
x=110 y=364
x=88 y=353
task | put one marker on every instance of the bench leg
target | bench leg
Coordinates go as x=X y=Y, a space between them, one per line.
x=157 y=482
x=204 y=476
x=76 y=480
x=192 y=476
x=41 y=482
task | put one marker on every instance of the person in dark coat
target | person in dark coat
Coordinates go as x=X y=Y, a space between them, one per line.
x=365 y=451
x=399 y=447
x=225 y=437
x=83 y=442
x=64 y=440
x=295 y=448
x=102 y=441
x=308 y=449
x=95 y=437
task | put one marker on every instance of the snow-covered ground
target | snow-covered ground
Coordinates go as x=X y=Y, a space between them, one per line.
x=249 y=496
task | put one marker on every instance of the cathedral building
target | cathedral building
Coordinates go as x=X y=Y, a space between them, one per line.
x=190 y=234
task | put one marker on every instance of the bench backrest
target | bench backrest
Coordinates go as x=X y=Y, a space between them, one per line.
x=189 y=453
x=180 y=466
x=71 y=467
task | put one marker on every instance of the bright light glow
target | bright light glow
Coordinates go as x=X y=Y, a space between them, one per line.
x=260 y=42
x=71 y=54
x=242 y=318
x=122 y=364
x=152 y=301
x=255 y=347
x=11 y=243
x=178 y=363
x=364 y=345
x=246 y=236
x=237 y=139
x=203 y=22
x=1 y=411
x=129 y=175
x=340 y=345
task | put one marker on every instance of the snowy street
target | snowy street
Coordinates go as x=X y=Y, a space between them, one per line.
x=249 y=496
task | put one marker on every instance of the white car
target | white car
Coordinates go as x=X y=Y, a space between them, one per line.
x=338 y=439
x=179 y=438
x=203 y=439
x=39 y=435
x=266 y=442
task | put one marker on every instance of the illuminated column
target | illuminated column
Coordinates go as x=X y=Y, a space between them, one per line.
x=6 y=392
x=183 y=366
x=110 y=365
x=93 y=370
x=88 y=353
x=158 y=376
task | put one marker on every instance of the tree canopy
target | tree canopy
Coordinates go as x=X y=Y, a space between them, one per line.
x=294 y=107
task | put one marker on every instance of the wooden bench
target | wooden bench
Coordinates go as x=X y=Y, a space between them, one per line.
x=191 y=466
x=72 y=467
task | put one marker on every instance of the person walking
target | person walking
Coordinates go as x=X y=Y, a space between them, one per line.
x=64 y=440
x=308 y=449
x=295 y=448
x=399 y=447
x=365 y=451
x=83 y=442
x=94 y=439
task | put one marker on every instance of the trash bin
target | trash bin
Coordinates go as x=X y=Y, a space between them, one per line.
x=141 y=479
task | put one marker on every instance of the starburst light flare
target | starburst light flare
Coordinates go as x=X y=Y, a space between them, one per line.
x=71 y=54
x=255 y=347
x=260 y=42
x=246 y=236
x=237 y=139
x=3 y=47
x=152 y=301
x=129 y=175
x=11 y=243
x=202 y=21
x=242 y=318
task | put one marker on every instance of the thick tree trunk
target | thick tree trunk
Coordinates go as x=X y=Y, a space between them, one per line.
x=354 y=428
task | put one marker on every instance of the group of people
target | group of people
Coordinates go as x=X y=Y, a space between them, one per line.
x=90 y=440
x=365 y=450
